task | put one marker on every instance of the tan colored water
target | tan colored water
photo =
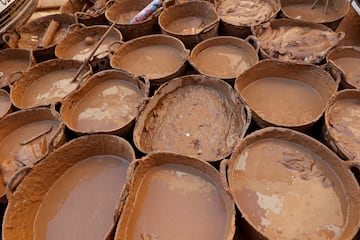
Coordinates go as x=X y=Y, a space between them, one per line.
x=110 y=105
x=186 y=25
x=351 y=69
x=82 y=202
x=303 y=11
x=284 y=101
x=5 y=104
x=124 y=18
x=296 y=199
x=223 y=61
x=177 y=202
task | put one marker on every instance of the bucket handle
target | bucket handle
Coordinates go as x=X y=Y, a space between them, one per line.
x=8 y=38
x=352 y=164
x=224 y=165
x=16 y=179
x=112 y=49
x=145 y=80
x=75 y=27
x=253 y=41
x=11 y=80
x=333 y=71
x=108 y=4
x=247 y=113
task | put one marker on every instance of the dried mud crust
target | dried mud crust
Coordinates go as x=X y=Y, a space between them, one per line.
x=194 y=120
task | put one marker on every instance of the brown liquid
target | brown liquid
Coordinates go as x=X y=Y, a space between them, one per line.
x=351 y=69
x=303 y=11
x=50 y=88
x=125 y=17
x=154 y=61
x=294 y=200
x=5 y=104
x=344 y=120
x=245 y=12
x=82 y=202
x=177 y=202
x=9 y=65
x=284 y=101
x=224 y=61
x=108 y=106
x=186 y=26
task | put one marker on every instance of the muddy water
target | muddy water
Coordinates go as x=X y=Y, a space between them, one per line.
x=344 y=119
x=10 y=65
x=245 y=12
x=186 y=25
x=4 y=105
x=224 y=61
x=305 y=12
x=295 y=200
x=154 y=61
x=124 y=18
x=177 y=202
x=284 y=101
x=50 y=88
x=82 y=202
x=110 y=105
x=351 y=69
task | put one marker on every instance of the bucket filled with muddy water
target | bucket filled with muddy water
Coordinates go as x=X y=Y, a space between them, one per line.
x=194 y=115
x=287 y=94
x=173 y=196
x=309 y=193
x=73 y=193
x=108 y=102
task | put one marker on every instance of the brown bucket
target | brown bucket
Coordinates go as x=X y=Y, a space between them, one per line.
x=122 y=11
x=296 y=41
x=31 y=35
x=26 y=137
x=12 y=61
x=25 y=207
x=106 y=103
x=288 y=185
x=224 y=57
x=347 y=60
x=186 y=197
x=81 y=41
x=191 y=22
x=158 y=57
x=5 y=103
x=47 y=83
x=303 y=10
x=287 y=94
x=236 y=20
x=195 y=115
x=341 y=127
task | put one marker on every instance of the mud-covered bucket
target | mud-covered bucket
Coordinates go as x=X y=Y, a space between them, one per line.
x=195 y=115
x=174 y=195
x=26 y=137
x=122 y=11
x=287 y=94
x=237 y=16
x=107 y=103
x=288 y=185
x=5 y=103
x=47 y=83
x=330 y=15
x=342 y=124
x=347 y=60
x=191 y=22
x=224 y=57
x=158 y=57
x=71 y=194
x=13 y=60
x=40 y=35
x=296 y=41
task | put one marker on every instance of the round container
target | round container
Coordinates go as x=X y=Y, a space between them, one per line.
x=295 y=41
x=79 y=43
x=174 y=195
x=123 y=11
x=303 y=10
x=308 y=186
x=12 y=61
x=224 y=57
x=286 y=94
x=46 y=83
x=106 y=103
x=5 y=103
x=26 y=137
x=195 y=115
x=30 y=36
x=237 y=16
x=191 y=22
x=341 y=127
x=158 y=57
x=93 y=191
x=347 y=60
